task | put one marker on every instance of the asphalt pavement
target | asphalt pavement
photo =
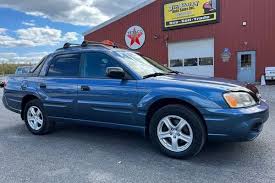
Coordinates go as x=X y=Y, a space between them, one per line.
x=81 y=153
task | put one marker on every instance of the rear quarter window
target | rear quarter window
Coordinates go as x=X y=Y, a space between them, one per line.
x=65 y=66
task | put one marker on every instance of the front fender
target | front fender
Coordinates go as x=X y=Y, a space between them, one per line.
x=197 y=100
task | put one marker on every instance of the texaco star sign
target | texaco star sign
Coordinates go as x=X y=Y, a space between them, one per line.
x=135 y=37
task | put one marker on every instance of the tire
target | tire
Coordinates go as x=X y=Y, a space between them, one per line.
x=36 y=118
x=184 y=138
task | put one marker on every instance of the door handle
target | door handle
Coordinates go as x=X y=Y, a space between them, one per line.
x=43 y=85
x=85 y=88
x=23 y=86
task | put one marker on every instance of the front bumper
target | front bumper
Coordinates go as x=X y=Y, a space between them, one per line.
x=270 y=78
x=236 y=124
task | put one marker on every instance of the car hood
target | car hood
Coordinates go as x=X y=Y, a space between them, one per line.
x=204 y=82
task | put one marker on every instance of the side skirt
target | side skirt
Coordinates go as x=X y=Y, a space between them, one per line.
x=137 y=129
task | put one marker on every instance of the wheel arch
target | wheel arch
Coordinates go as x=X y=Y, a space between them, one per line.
x=25 y=100
x=168 y=101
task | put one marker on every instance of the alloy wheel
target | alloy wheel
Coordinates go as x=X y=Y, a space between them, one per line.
x=175 y=133
x=35 y=118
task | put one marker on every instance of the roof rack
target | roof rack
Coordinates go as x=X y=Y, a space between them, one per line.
x=68 y=45
x=104 y=43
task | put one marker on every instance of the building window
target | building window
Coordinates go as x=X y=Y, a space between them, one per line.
x=176 y=63
x=206 y=61
x=191 y=62
x=246 y=60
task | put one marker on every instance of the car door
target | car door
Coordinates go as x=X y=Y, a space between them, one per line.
x=101 y=99
x=59 y=86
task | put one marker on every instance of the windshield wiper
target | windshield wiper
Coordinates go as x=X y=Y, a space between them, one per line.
x=155 y=75
x=174 y=72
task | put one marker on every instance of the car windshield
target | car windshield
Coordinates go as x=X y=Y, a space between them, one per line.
x=26 y=69
x=153 y=62
x=142 y=65
x=22 y=70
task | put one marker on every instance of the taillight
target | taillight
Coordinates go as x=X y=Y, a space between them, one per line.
x=5 y=82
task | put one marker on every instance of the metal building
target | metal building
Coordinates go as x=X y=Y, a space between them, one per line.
x=221 y=38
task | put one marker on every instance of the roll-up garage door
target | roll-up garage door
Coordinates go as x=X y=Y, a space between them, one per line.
x=192 y=57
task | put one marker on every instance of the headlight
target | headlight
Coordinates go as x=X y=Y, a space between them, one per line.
x=239 y=99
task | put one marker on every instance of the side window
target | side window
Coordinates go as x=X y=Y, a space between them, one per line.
x=65 y=66
x=95 y=65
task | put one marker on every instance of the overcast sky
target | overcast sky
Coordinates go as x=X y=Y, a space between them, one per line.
x=29 y=29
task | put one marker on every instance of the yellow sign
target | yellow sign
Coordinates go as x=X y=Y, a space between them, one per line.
x=189 y=12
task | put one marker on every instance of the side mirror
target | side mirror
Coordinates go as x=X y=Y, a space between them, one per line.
x=115 y=72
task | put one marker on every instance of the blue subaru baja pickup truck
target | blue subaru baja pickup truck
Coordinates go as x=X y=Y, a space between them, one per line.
x=106 y=86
